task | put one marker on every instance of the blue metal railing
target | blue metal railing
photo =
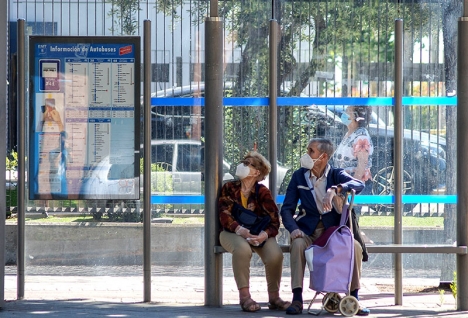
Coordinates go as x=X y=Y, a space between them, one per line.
x=360 y=199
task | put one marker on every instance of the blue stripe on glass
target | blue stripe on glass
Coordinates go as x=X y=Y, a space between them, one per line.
x=426 y=101
x=306 y=101
x=359 y=199
x=177 y=101
x=390 y=199
x=177 y=199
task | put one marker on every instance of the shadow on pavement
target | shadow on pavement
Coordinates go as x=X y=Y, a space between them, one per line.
x=86 y=308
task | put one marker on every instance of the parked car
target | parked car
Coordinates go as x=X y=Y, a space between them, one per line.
x=107 y=180
x=111 y=187
x=181 y=163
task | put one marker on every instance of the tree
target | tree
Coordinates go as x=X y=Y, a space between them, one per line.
x=123 y=16
x=359 y=32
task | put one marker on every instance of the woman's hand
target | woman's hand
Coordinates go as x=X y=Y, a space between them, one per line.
x=256 y=240
x=242 y=231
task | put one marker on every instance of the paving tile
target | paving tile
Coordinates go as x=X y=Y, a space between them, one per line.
x=73 y=292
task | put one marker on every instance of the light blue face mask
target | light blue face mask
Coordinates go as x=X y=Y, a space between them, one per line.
x=345 y=119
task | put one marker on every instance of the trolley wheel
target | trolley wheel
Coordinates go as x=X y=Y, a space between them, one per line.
x=333 y=302
x=349 y=306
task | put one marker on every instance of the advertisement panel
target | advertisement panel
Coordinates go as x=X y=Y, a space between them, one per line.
x=84 y=111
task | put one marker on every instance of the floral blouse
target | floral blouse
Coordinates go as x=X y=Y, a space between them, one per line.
x=346 y=154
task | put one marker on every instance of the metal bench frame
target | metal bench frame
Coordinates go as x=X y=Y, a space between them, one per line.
x=394 y=249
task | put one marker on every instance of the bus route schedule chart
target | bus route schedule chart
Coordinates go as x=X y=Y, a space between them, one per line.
x=84 y=123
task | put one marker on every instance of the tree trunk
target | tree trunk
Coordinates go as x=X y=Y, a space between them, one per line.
x=256 y=41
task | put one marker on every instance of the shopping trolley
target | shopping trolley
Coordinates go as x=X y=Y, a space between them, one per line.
x=330 y=260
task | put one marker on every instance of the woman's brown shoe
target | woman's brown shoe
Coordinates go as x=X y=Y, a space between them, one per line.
x=249 y=305
x=278 y=304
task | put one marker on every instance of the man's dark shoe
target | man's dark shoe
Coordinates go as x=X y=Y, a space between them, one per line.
x=363 y=311
x=295 y=308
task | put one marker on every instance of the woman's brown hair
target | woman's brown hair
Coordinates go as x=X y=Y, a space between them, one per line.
x=260 y=163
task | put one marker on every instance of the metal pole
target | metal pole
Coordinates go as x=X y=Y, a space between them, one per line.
x=273 y=9
x=398 y=157
x=21 y=155
x=213 y=8
x=273 y=106
x=462 y=156
x=213 y=158
x=147 y=161
x=3 y=132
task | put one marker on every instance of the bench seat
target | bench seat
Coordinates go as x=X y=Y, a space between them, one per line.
x=393 y=248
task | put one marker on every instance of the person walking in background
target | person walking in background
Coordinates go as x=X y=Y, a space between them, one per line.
x=319 y=188
x=240 y=242
x=354 y=153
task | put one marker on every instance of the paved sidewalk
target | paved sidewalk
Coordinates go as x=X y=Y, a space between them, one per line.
x=380 y=305
x=79 y=291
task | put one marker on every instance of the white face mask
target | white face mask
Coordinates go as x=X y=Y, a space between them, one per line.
x=307 y=162
x=242 y=171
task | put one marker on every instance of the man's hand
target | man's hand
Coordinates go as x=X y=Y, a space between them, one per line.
x=338 y=202
x=296 y=233
x=327 y=200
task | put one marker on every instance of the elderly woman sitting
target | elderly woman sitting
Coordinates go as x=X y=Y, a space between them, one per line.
x=240 y=242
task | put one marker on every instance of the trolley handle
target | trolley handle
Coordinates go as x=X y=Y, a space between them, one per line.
x=351 y=193
x=346 y=215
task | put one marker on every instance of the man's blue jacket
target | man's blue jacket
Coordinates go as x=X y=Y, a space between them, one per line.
x=309 y=215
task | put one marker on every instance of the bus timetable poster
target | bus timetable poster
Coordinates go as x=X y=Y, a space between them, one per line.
x=84 y=111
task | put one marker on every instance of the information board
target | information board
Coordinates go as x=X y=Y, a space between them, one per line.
x=84 y=117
